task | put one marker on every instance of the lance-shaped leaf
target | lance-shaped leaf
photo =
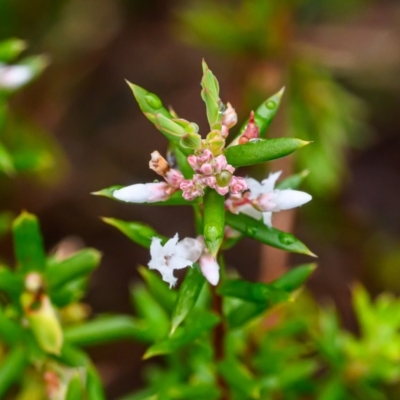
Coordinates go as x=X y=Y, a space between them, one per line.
x=28 y=243
x=70 y=292
x=94 y=385
x=6 y=161
x=175 y=200
x=76 y=266
x=263 y=116
x=264 y=234
x=10 y=331
x=10 y=49
x=106 y=329
x=6 y=219
x=210 y=95
x=183 y=165
x=75 y=388
x=239 y=378
x=245 y=312
x=188 y=294
x=12 y=368
x=157 y=287
x=261 y=150
x=293 y=181
x=213 y=220
x=294 y=278
x=136 y=231
x=10 y=283
x=256 y=292
x=200 y=323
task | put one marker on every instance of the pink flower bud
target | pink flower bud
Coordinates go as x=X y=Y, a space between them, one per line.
x=251 y=132
x=229 y=118
x=174 y=178
x=144 y=193
x=224 y=131
x=206 y=169
x=209 y=268
x=237 y=185
x=205 y=157
x=220 y=164
x=192 y=160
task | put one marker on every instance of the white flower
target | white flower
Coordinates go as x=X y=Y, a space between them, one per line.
x=209 y=268
x=263 y=199
x=14 y=76
x=173 y=255
x=143 y=192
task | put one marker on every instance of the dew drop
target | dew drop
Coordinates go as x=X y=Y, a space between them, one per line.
x=153 y=101
x=251 y=230
x=286 y=238
x=271 y=105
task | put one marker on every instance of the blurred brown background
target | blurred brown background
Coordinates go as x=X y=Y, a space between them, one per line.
x=83 y=101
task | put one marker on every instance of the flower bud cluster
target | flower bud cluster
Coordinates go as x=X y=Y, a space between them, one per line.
x=214 y=172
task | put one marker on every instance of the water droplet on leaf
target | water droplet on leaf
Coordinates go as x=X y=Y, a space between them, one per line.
x=286 y=238
x=153 y=101
x=271 y=105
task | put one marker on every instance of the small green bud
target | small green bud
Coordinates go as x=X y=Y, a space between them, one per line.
x=153 y=101
x=223 y=178
x=215 y=142
x=191 y=141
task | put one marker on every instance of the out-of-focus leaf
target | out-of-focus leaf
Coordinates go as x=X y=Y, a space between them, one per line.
x=11 y=283
x=257 y=151
x=136 y=231
x=160 y=291
x=239 y=378
x=6 y=161
x=10 y=331
x=175 y=200
x=106 y=329
x=11 y=48
x=254 y=292
x=94 y=385
x=12 y=368
x=74 y=267
x=6 y=219
x=293 y=181
x=69 y=292
x=75 y=388
x=200 y=323
x=187 y=296
x=28 y=243
x=294 y=278
x=264 y=234
x=213 y=220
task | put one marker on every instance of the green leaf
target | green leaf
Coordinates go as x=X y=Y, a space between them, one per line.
x=157 y=287
x=73 y=356
x=256 y=292
x=106 y=329
x=245 y=313
x=28 y=243
x=293 y=181
x=70 y=292
x=188 y=294
x=6 y=219
x=12 y=368
x=10 y=49
x=94 y=385
x=175 y=200
x=10 y=283
x=10 y=331
x=210 y=95
x=6 y=161
x=263 y=116
x=80 y=264
x=261 y=150
x=136 y=231
x=294 y=278
x=183 y=165
x=200 y=323
x=264 y=234
x=213 y=220
x=239 y=378
x=75 y=388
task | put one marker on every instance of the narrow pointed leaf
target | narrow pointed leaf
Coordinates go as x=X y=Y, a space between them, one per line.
x=94 y=386
x=12 y=368
x=255 y=292
x=183 y=165
x=213 y=220
x=106 y=329
x=263 y=115
x=210 y=95
x=294 y=278
x=245 y=313
x=10 y=331
x=70 y=292
x=75 y=388
x=293 y=181
x=200 y=323
x=28 y=243
x=10 y=49
x=80 y=264
x=187 y=296
x=261 y=150
x=136 y=231
x=10 y=283
x=6 y=161
x=264 y=234
x=160 y=291
x=175 y=200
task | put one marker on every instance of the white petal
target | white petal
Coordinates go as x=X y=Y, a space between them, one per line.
x=269 y=183
x=249 y=210
x=12 y=77
x=177 y=262
x=156 y=250
x=190 y=249
x=287 y=199
x=267 y=218
x=134 y=193
x=168 y=276
x=210 y=269
x=170 y=247
x=255 y=187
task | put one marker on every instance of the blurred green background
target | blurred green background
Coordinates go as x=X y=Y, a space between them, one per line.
x=339 y=62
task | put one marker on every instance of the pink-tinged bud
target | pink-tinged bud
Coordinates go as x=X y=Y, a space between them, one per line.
x=237 y=185
x=264 y=202
x=222 y=190
x=192 y=188
x=144 y=193
x=206 y=169
x=224 y=131
x=220 y=164
x=229 y=118
x=192 y=160
x=159 y=164
x=251 y=132
x=174 y=178
x=209 y=268
x=205 y=157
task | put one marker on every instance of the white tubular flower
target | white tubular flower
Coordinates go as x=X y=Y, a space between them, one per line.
x=14 y=76
x=209 y=268
x=263 y=199
x=173 y=255
x=143 y=193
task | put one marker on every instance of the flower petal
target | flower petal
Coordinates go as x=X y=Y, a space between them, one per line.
x=287 y=199
x=210 y=268
x=267 y=218
x=249 y=210
x=143 y=193
x=269 y=183
x=189 y=249
x=255 y=187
